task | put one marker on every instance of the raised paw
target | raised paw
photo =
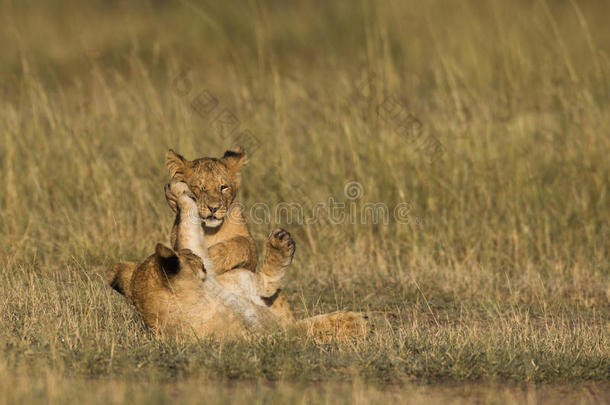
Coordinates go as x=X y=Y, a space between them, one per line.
x=174 y=190
x=280 y=243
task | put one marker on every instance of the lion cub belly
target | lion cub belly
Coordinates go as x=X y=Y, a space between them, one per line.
x=241 y=282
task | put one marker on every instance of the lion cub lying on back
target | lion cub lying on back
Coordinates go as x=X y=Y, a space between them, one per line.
x=177 y=290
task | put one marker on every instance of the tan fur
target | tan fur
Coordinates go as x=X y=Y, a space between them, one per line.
x=214 y=182
x=171 y=292
x=119 y=277
x=177 y=291
x=339 y=325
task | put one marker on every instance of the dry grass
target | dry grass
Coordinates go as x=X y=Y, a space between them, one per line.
x=502 y=272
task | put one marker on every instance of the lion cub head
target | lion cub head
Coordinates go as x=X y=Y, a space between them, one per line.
x=213 y=181
x=164 y=286
x=181 y=269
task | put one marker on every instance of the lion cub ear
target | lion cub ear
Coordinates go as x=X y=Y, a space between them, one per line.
x=234 y=159
x=167 y=258
x=176 y=164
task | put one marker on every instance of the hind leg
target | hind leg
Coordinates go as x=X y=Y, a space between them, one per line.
x=279 y=253
x=278 y=304
x=339 y=325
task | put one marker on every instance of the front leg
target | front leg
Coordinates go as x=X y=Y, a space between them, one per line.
x=174 y=233
x=237 y=252
x=187 y=232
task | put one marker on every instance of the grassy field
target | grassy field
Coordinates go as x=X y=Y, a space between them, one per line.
x=481 y=127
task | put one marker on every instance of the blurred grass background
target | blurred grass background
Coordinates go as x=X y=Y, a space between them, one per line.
x=503 y=272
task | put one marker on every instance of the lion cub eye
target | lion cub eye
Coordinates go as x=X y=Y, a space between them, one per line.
x=224 y=187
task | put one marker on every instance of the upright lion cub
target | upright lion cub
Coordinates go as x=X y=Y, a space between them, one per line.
x=214 y=183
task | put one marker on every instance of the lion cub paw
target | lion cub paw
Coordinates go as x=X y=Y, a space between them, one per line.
x=174 y=191
x=281 y=245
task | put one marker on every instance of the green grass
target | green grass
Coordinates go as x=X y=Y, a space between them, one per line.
x=500 y=276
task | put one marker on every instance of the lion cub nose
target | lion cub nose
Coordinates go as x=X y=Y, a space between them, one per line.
x=213 y=209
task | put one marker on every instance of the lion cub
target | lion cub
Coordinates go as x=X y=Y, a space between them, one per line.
x=214 y=182
x=177 y=292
